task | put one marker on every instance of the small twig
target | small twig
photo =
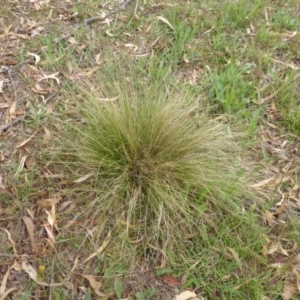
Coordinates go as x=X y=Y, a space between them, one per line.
x=49 y=98
x=92 y=19
x=13 y=122
x=8 y=70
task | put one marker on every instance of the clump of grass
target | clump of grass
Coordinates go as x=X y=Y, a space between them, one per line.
x=155 y=166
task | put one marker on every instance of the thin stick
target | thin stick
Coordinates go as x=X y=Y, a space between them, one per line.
x=15 y=121
x=92 y=19
x=8 y=70
x=50 y=97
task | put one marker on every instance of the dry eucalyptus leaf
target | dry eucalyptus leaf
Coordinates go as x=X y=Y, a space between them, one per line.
x=27 y=140
x=4 y=293
x=165 y=21
x=30 y=229
x=10 y=240
x=105 y=243
x=83 y=178
x=96 y=285
x=185 y=295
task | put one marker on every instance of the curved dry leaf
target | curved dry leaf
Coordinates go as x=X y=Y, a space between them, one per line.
x=26 y=141
x=3 y=294
x=185 y=295
x=165 y=258
x=165 y=21
x=135 y=48
x=268 y=182
x=50 y=218
x=30 y=229
x=36 y=57
x=3 y=297
x=83 y=178
x=96 y=285
x=134 y=242
x=30 y=270
x=105 y=243
x=10 y=241
x=51 y=76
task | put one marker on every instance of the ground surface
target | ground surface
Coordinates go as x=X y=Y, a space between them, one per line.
x=241 y=56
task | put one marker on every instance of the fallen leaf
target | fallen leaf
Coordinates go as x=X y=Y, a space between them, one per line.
x=97 y=59
x=39 y=90
x=36 y=57
x=270 y=217
x=37 y=6
x=27 y=140
x=171 y=280
x=92 y=71
x=83 y=178
x=96 y=285
x=21 y=166
x=3 y=293
x=12 y=110
x=165 y=21
x=37 y=30
x=47 y=136
x=10 y=241
x=72 y=40
x=289 y=290
x=105 y=243
x=48 y=202
x=30 y=229
x=51 y=238
x=132 y=46
x=273 y=248
x=264 y=182
x=30 y=270
x=185 y=295
x=51 y=76
x=3 y=105
x=50 y=218
x=283 y=251
x=164 y=257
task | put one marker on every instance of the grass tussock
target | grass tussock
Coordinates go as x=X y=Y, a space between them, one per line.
x=157 y=164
